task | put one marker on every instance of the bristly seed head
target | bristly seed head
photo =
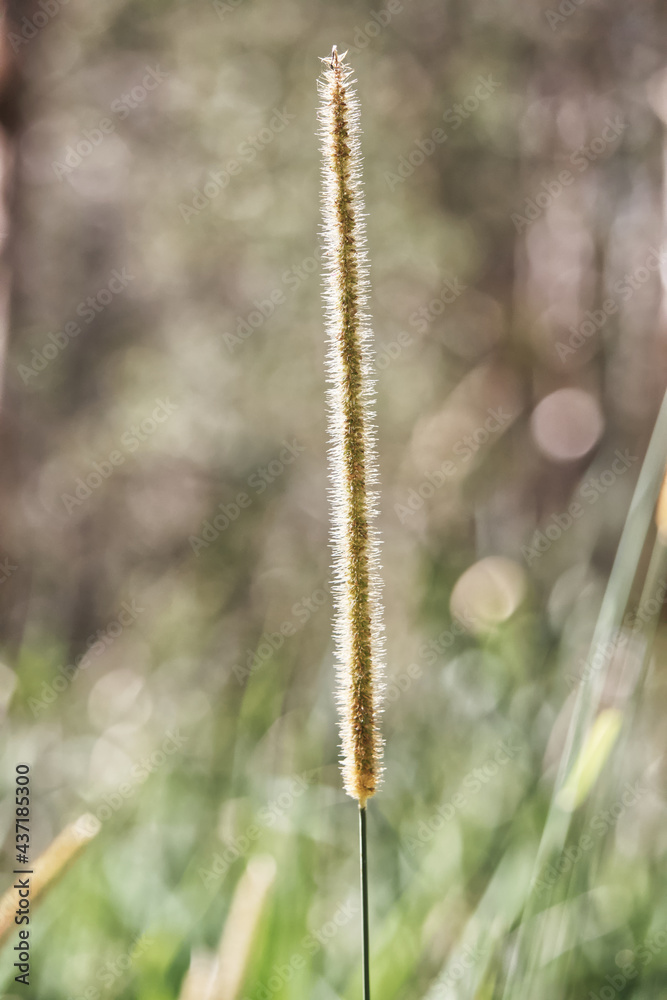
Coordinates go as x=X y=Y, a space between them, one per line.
x=358 y=614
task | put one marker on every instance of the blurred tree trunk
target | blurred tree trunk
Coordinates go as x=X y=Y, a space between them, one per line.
x=14 y=572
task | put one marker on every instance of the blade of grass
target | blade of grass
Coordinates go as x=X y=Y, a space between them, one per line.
x=520 y=979
x=237 y=938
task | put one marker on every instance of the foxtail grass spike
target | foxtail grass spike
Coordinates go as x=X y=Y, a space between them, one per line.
x=358 y=617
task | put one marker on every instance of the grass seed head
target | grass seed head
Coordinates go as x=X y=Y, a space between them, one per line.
x=352 y=462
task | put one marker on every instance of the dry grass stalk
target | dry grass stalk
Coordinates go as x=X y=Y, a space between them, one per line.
x=51 y=864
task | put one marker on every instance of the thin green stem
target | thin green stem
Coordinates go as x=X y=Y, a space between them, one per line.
x=363 y=852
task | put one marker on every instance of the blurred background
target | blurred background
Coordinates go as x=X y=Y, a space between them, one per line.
x=167 y=665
